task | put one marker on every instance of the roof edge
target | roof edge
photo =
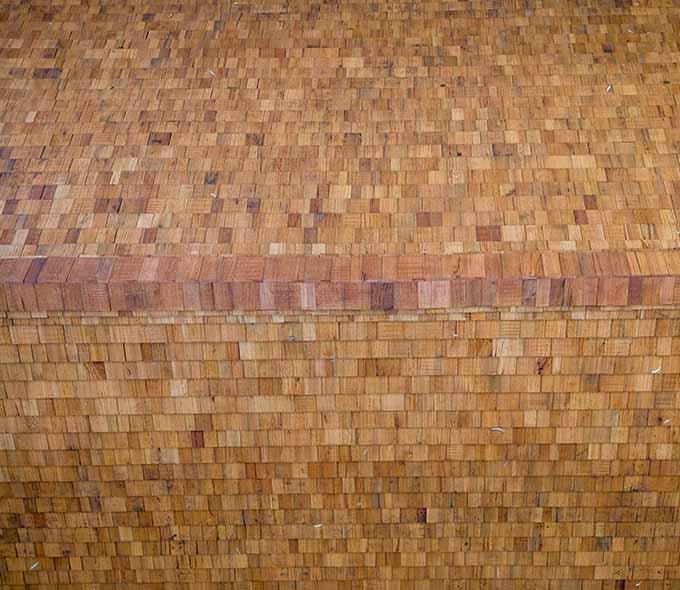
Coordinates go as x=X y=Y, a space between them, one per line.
x=285 y=283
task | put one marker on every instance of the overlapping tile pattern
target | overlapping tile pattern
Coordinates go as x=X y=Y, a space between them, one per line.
x=329 y=294
x=483 y=449
x=361 y=128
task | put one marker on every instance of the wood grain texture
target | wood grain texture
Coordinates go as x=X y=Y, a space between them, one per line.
x=332 y=294
x=382 y=128
x=484 y=449
x=340 y=282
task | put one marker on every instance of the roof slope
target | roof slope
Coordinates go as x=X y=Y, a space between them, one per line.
x=342 y=129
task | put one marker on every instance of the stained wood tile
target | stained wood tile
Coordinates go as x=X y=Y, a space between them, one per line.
x=339 y=295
